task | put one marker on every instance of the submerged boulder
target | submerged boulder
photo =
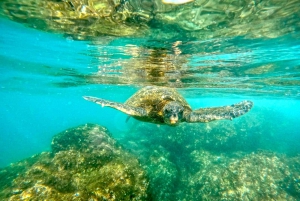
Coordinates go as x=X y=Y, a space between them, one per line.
x=255 y=176
x=85 y=164
x=226 y=160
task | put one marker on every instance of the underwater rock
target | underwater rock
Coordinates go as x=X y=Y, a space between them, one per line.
x=156 y=158
x=292 y=183
x=85 y=164
x=162 y=174
x=255 y=176
x=8 y=174
x=216 y=161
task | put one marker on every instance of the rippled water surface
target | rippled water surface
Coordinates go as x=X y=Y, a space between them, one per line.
x=214 y=52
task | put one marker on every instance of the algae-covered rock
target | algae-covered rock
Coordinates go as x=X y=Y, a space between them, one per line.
x=163 y=175
x=292 y=183
x=85 y=164
x=255 y=176
x=225 y=160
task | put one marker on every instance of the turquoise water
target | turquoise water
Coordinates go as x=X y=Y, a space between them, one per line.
x=44 y=76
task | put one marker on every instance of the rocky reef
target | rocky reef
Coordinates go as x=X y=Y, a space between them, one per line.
x=224 y=160
x=254 y=176
x=85 y=164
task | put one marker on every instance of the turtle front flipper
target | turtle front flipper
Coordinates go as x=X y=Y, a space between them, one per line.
x=130 y=110
x=218 y=113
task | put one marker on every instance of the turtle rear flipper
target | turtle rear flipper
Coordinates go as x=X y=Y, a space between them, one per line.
x=218 y=113
x=130 y=110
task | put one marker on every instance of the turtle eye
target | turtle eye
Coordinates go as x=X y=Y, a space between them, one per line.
x=180 y=113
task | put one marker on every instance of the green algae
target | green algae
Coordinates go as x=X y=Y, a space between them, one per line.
x=86 y=164
x=237 y=160
x=160 y=163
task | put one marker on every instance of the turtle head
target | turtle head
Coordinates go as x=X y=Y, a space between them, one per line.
x=173 y=113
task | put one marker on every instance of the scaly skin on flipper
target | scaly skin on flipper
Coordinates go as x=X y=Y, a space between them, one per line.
x=218 y=113
x=130 y=110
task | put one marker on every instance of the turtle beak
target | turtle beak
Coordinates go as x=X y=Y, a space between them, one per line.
x=174 y=119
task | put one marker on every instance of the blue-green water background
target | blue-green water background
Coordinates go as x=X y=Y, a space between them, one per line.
x=42 y=84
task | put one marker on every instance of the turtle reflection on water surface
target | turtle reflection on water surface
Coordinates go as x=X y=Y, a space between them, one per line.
x=162 y=105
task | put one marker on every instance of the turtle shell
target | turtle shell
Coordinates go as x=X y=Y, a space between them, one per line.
x=153 y=99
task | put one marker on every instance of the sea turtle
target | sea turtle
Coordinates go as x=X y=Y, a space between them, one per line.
x=162 y=105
